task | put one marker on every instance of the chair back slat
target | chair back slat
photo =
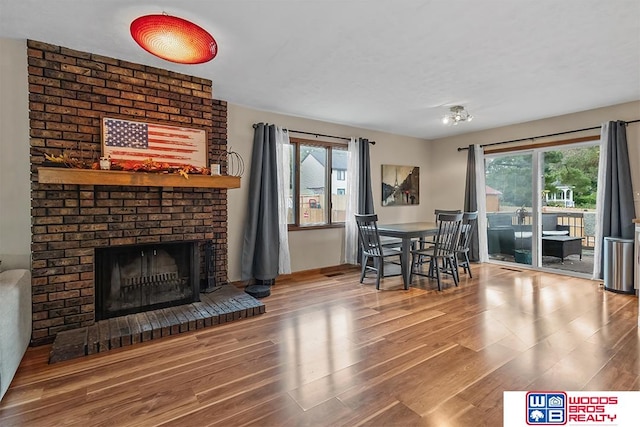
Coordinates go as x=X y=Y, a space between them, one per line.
x=369 y=237
x=469 y=220
x=446 y=211
x=448 y=234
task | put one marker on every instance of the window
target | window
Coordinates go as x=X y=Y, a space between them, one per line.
x=320 y=192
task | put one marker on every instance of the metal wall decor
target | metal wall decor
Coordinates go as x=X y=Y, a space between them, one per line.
x=235 y=163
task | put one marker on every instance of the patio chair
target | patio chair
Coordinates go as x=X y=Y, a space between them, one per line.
x=372 y=248
x=442 y=255
x=501 y=233
x=550 y=226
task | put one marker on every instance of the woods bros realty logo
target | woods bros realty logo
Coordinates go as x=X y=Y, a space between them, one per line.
x=547 y=408
x=560 y=408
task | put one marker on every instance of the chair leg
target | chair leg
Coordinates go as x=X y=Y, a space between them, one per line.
x=365 y=259
x=379 y=261
x=462 y=263
x=456 y=266
x=437 y=268
x=466 y=256
x=454 y=272
x=447 y=267
x=412 y=265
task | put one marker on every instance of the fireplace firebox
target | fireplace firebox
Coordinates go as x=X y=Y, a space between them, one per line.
x=131 y=279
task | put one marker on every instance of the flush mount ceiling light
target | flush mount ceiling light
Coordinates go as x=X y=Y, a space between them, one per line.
x=174 y=39
x=456 y=115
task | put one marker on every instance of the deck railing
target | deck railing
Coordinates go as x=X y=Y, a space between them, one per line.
x=574 y=219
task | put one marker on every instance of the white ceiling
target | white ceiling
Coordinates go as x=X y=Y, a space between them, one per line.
x=386 y=65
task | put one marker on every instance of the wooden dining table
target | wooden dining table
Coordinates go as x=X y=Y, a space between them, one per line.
x=407 y=232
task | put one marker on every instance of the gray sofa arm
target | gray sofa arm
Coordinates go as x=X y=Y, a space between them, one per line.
x=15 y=322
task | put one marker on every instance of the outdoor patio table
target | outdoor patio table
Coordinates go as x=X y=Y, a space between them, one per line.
x=561 y=246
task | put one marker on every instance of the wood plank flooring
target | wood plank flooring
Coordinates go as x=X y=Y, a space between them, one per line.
x=330 y=351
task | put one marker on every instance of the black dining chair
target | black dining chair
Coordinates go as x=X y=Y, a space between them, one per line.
x=469 y=221
x=441 y=256
x=372 y=248
x=429 y=241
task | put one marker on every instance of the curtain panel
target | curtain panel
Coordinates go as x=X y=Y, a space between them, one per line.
x=360 y=199
x=350 y=227
x=283 y=166
x=365 y=198
x=475 y=200
x=265 y=249
x=614 y=203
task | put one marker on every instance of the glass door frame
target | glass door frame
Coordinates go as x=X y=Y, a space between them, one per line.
x=537 y=186
x=535 y=205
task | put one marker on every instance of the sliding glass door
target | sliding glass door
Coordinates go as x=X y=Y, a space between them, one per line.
x=568 y=211
x=509 y=192
x=541 y=207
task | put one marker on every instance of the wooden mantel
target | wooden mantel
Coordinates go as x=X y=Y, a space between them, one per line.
x=140 y=179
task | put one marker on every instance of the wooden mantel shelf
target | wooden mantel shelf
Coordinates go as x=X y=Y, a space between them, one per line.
x=140 y=179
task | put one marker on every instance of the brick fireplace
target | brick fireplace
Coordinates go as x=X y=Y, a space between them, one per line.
x=69 y=92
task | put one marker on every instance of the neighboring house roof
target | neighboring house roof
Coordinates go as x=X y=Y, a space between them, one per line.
x=311 y=175
x=488 y=190
x=561 y=186
x=338 y=159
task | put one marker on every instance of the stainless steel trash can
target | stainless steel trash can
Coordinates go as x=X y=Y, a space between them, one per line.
x=618 y=265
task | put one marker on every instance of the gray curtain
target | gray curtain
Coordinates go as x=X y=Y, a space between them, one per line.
x=618 y=194
x=617 y=204
x=365 y=194
x=471 y=201
x=261 y=246
x=365 y=201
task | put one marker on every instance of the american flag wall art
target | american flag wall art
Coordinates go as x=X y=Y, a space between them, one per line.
x=138 y=141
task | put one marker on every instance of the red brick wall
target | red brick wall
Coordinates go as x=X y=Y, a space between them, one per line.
x=69 y=92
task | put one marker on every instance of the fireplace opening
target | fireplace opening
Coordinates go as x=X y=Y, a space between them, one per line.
x=131 y=279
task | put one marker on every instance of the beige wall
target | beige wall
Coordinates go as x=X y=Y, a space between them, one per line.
x=449 y=165
x=15 y=220
x=321 y=248
x=442 y=167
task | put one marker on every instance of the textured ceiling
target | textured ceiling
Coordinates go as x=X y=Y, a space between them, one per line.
x=394 y=66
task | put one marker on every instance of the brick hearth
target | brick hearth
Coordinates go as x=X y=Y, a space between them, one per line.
x=226 y=304
x=69 y=93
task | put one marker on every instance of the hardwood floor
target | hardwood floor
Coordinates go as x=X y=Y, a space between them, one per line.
x=332 y=352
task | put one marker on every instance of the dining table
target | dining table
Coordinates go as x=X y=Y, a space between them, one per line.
x=408 y=232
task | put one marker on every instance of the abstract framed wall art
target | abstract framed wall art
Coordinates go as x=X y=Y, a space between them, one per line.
x=131 y=140
x=400 y=185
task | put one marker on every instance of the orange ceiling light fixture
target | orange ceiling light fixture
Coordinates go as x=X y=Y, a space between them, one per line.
x=174 y=39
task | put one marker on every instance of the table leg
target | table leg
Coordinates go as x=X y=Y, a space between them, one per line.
x=406 y=262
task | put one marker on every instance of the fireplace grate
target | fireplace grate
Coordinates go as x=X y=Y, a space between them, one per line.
x=131 y=279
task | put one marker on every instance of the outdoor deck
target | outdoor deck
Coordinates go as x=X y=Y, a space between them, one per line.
x=580 y=224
